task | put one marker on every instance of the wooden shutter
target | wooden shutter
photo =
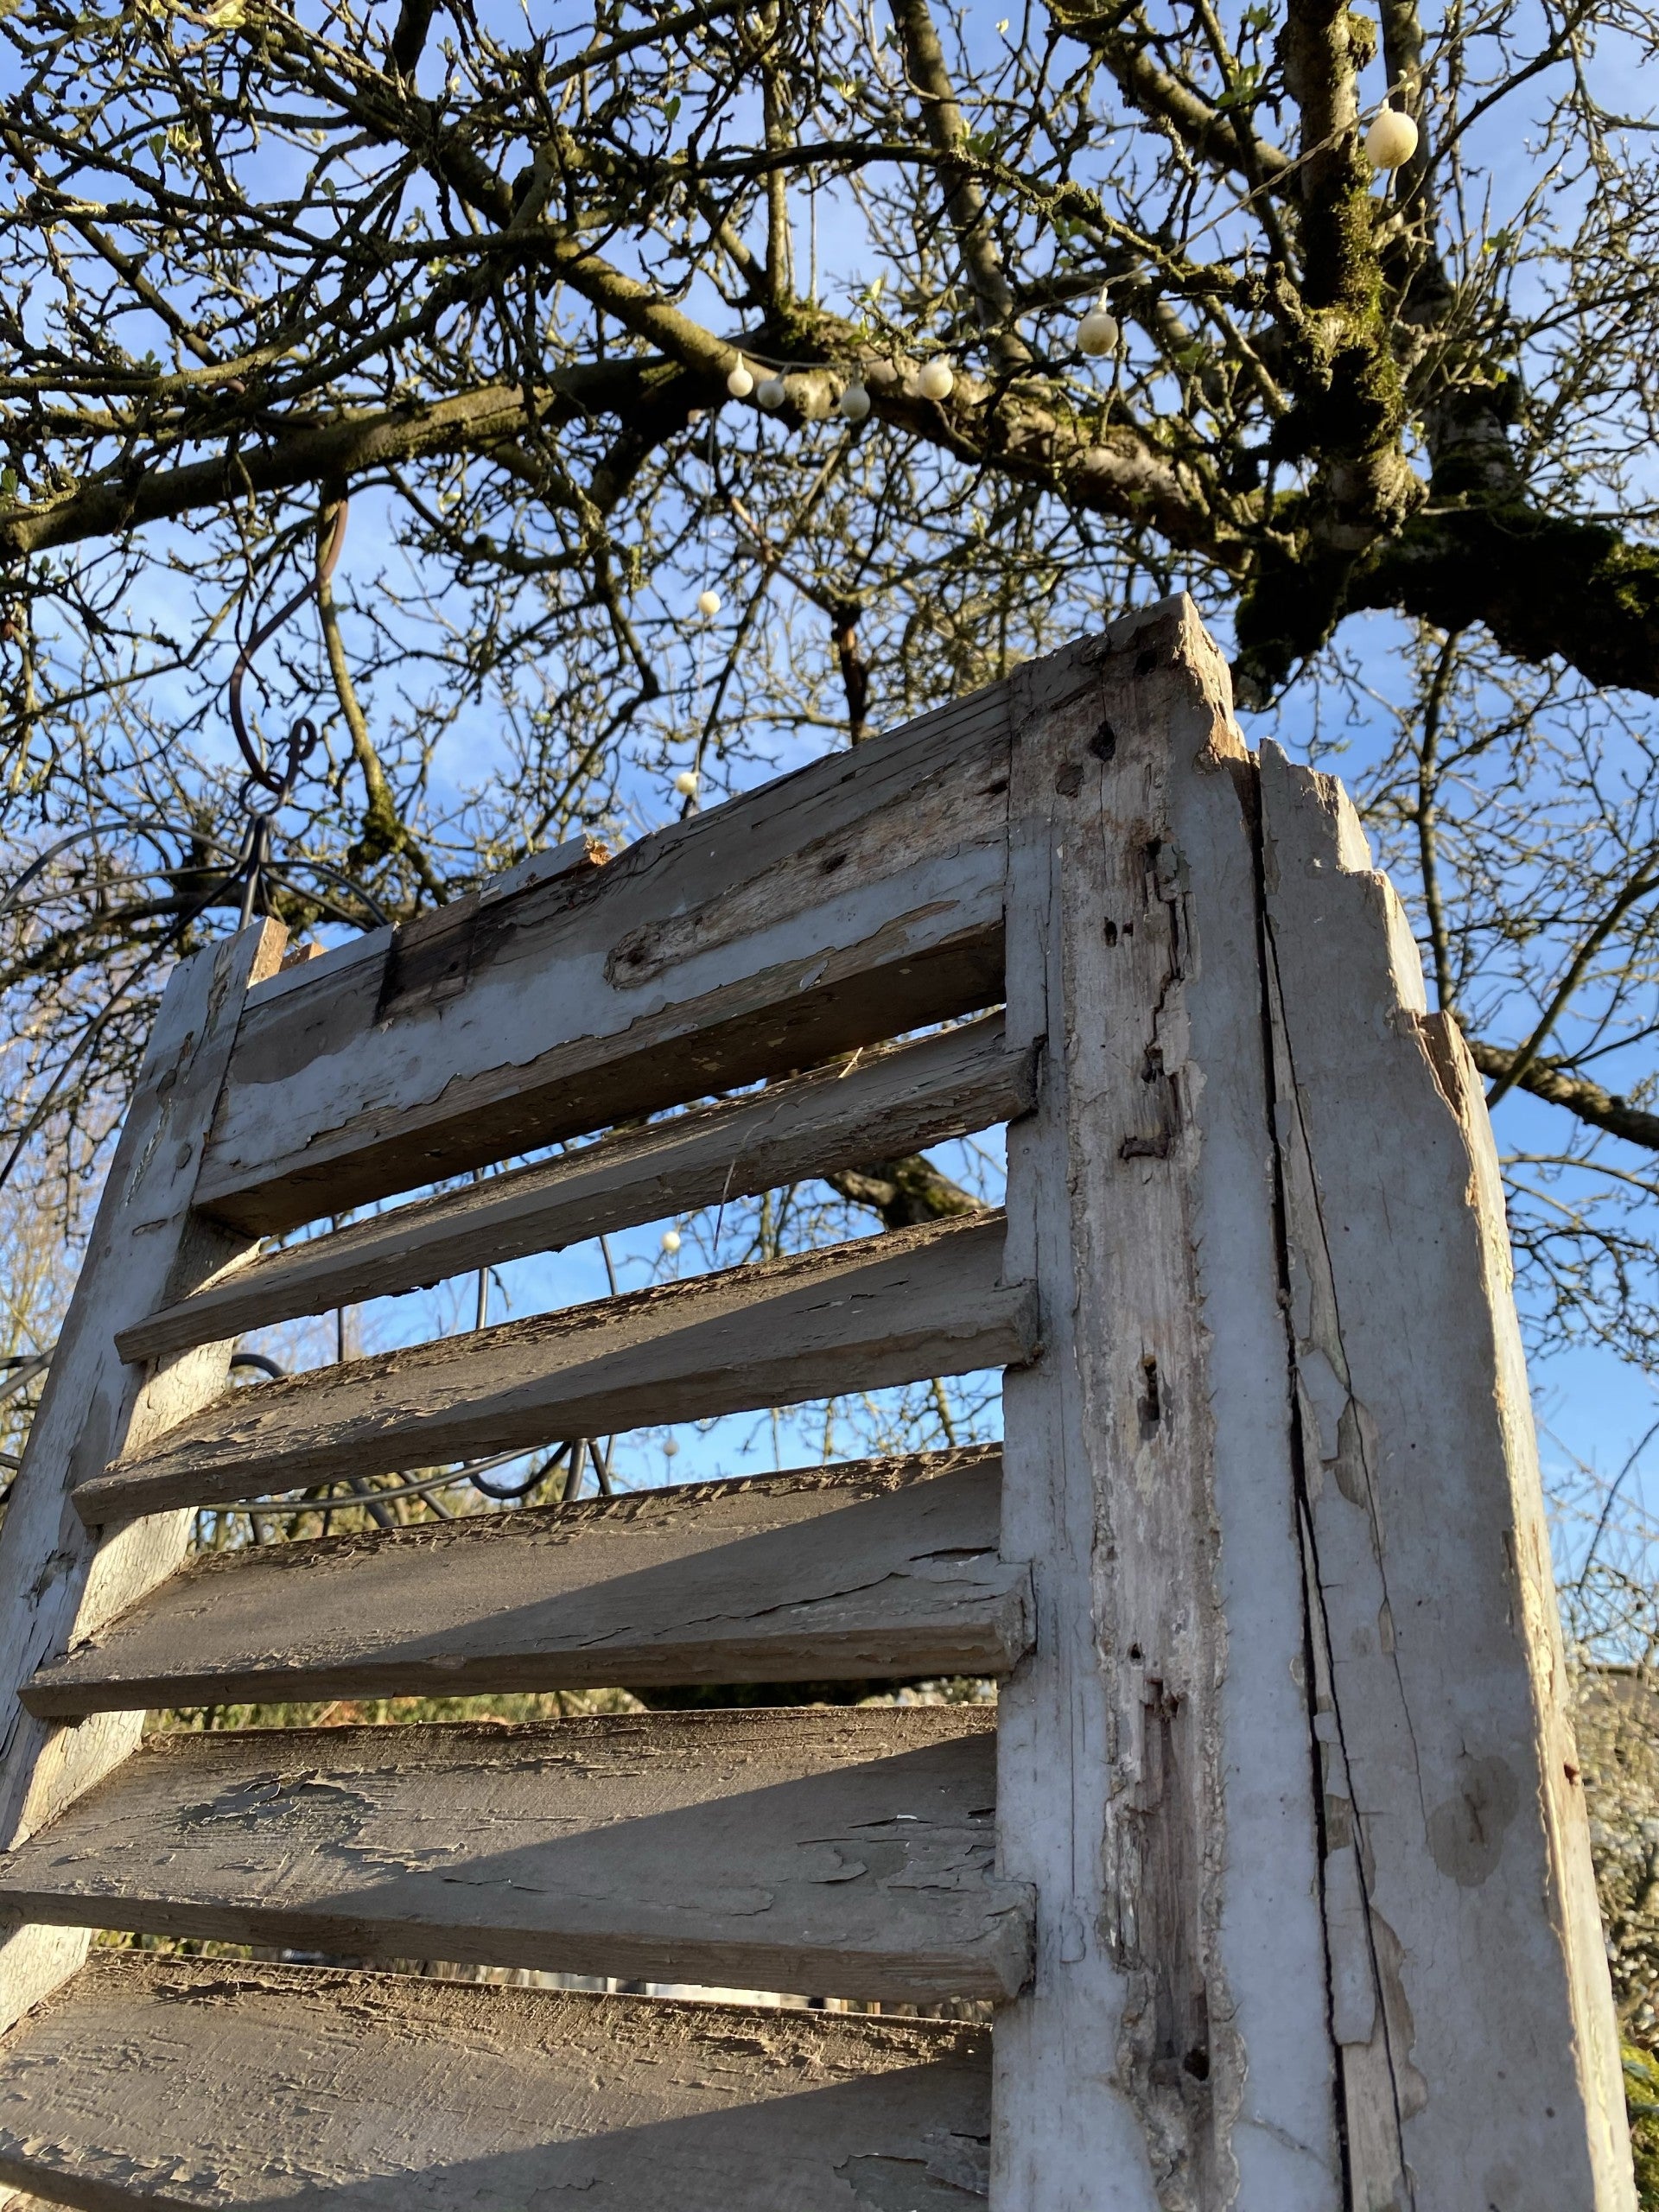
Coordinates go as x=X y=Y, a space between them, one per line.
x=1271 y=1859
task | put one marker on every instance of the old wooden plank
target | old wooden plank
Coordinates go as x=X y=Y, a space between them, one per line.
x=881 y=1568
x=58 y=1584
x=1480 y=2056
x=221 y=2087
x=1155 y=1769
x=878 y=1310
x=848 y=903
x=844 y=1850
x=890 y=1103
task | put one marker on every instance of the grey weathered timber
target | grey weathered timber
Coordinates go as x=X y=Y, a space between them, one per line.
x=878 y=1310
x=222 y=2087
x=886 y=1104
x=850 y=902
x=878 y=1568
x=1470 y=2007
x=846 y=1850
x=59 y=1585
x=1155 y=1769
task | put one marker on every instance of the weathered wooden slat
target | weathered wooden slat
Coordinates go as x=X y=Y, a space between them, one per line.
x=881 y=1310
x=847 y=1850
x=878 y=1569
x=890 y=1103
x=221 y=2087
x=853 y=901
x=143 y=1247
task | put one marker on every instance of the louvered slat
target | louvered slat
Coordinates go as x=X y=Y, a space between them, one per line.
x=885 y=1106
x=882 y=1310
x=802 y=1849
x=879 y=1569
x=221 y=2087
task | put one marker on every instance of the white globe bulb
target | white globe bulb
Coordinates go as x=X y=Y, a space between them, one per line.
x=855 y=403
x=770 y=394
x=686 y=783
x=672 y=1240
x=740 y=383
x=1097 y=333
x=1391 y=141
x=938 y=380
x=671 y=1449
x=708 y=602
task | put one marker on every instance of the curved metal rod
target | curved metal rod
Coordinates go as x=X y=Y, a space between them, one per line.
x=260 y=1360
x=16 y=890
x=258 y=767
x=139 y=828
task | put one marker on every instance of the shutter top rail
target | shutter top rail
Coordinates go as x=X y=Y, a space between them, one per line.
x=853 y=901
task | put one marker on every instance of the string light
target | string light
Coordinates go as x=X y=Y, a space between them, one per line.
x=938 y=380
x=671 y=1241
x=770 y=393
x=708 y=602
x=855 y=402
x=686 y=783
x=741 y=384
x=1097 y=333
x=1391 y=141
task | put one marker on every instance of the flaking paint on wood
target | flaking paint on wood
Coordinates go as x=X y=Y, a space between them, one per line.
x=60 y=1582
x=876 y=1568
x=845 y=904
x=842 y=1851
x=1155 y=1777
x=1478 y=2054
x=150 y=2082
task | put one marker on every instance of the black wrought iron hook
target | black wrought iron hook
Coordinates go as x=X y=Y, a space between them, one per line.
x=264 y=792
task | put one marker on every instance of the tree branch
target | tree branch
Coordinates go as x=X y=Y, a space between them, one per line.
x=1547 y=1079
x=904 y=1192
x=947 y=130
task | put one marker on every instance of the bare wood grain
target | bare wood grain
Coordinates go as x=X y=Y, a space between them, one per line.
x=1458 y=1877
x=882 y=1310
x=58 y=1582
x=881 y=1568
x=1155 y=1772
x=891 y=1103
x=853 y=901
x=847 y=1849
x=154 y=2083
